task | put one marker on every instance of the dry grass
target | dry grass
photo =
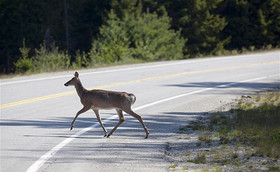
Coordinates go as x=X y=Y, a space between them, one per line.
x=259 y=125
x=252 y=129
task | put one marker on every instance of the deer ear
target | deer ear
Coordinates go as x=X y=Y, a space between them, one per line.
x=76 y=74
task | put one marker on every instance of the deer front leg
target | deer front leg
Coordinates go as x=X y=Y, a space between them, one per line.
x=78 y=113
x=99 y=120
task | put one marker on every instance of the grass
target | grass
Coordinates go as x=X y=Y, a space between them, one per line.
x=255 y=122
x=193 y=126
x=205 y=137
x=253 y=126
x=173 y=166
x=225 y=156
x=200 y=158
x=259 y=125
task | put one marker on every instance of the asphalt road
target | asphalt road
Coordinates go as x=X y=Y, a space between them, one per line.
x=36 y=111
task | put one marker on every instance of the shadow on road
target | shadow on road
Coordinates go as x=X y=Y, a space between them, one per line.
x=159 y=125
x=248 y=85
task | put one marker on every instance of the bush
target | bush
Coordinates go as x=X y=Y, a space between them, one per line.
x=24 y=64
x=45 y=61
x=81 y=60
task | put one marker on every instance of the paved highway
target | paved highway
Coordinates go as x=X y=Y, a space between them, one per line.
x=37 y=110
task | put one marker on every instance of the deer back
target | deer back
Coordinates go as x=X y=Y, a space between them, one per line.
x=103 y=99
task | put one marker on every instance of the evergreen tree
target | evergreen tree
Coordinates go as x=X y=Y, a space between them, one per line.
x=137 y=34
x=200 y=24
x=31 y=20
x=113 y=43
x=85 y=19
x=252 y=23
x=19 y=20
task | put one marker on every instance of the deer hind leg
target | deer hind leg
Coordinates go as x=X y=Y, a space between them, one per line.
x=99 y=120
x=139 y=118
x=85 y=108
x=121 y=120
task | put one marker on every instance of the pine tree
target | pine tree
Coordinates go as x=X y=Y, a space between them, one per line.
x=131 y=33
x=200 y=24
x=252 y=23
x=203 y=27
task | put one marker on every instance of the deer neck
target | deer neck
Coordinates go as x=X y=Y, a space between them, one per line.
x=79 y=88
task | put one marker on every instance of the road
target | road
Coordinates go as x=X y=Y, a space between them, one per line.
x=37 y=110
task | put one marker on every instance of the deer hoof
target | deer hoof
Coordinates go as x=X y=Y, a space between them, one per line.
x=147 y=135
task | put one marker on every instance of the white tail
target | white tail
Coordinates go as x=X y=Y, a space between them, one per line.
x=132 y=98
x=102 y=99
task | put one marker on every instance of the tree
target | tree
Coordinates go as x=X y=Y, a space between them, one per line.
x=85 y=19
x=112 y=43
x=14 y=27
x=31 y=20
x=252 y=23
x=200 y=24
x=133 y=33
x=152 y=38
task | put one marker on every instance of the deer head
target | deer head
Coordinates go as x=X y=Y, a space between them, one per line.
x=73 y=81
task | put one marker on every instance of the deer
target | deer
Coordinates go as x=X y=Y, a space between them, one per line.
x=103 y=99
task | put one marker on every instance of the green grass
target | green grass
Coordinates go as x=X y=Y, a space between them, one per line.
x=173 y=166
x=200 y=159
x=257 y=122
x=196 y=126
x=259 y=125
x=254 y=126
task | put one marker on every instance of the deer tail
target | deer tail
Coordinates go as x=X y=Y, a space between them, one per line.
x=132 y=98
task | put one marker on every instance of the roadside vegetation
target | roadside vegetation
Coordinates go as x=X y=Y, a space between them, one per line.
x=245 y=138
x=43 y=36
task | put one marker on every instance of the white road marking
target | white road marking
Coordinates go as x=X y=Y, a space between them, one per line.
x=44 y=158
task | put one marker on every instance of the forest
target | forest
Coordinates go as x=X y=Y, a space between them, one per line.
x=42 y=36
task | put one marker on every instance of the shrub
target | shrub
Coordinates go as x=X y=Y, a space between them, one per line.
x=24 y=64
x=45 y=61
x=81 y=60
